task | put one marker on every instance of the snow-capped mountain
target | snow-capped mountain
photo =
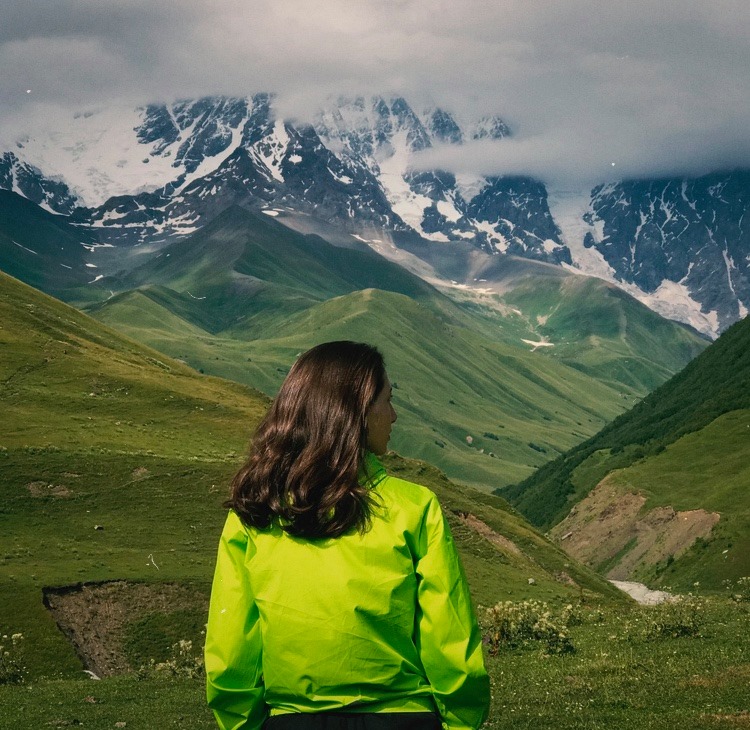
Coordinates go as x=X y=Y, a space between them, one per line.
x=502 y=214
x=30 y=182
x=688 y=235
x=167 y=169
x=681 y=246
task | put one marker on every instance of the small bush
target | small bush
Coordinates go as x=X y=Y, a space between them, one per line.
x=572 y=615
x=511 y=625
x=740 y=591
x=184 y=662
x=680 y=617
x=12 y=669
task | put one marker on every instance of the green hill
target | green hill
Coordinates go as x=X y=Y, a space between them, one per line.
x=516 y=407
x=45 y=250
x=115 y=461
x=601 y=330
x=243 y=296
x=582 y=321
x=685 y=448
x=68 y=382
x=245 y=271
x=482 y=410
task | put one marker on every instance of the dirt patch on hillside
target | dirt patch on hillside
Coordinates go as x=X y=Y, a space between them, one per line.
x=488 y=533
x=609 y=525
x=506 y=545
x=43 y=489
x=94 y=616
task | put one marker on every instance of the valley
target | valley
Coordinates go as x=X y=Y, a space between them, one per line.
x=241 y=298
x=658 y=495
x=116 y=461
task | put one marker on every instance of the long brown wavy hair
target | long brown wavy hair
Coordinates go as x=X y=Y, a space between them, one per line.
x=307 y=455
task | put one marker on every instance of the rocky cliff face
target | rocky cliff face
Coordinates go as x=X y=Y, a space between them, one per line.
x=690 y=233
x=28 y=180
x=498 y=214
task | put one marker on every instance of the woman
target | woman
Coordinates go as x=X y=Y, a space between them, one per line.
x=338 y=599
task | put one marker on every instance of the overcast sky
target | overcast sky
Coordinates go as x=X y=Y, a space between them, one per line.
x=591 y=89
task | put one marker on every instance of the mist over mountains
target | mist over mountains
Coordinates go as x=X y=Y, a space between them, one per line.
x=148 y=174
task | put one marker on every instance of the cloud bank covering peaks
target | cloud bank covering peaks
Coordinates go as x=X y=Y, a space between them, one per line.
x=592 y=91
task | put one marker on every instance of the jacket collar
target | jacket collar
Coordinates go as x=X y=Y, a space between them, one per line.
x=372 y=472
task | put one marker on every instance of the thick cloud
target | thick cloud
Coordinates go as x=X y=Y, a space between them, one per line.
x=653 y=87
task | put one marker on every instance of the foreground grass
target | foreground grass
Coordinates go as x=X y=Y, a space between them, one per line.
x=616 y=678
x=156 y=703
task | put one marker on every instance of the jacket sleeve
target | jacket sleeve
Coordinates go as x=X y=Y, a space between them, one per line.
x=233 y=652
x=447 y=634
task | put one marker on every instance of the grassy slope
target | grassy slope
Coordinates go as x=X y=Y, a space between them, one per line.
x=708 y=469
x=716 y=382
x=485 y=563
x=685 y=445
x=601 y=330
x=84 y=408
x=102 y=431
x=243 y=264
x=45 y=250
x=68 y=381
x=243 y=296
x=590 y=323
x=453 y=383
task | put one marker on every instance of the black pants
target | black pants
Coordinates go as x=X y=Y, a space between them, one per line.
x=354 y=721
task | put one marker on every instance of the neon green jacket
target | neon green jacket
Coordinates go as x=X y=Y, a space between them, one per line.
x=380 y=622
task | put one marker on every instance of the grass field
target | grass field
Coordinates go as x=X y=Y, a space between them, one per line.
x=114 y=462
x=616 y=679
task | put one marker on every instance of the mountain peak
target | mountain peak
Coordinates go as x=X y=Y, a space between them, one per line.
x=164 y=170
